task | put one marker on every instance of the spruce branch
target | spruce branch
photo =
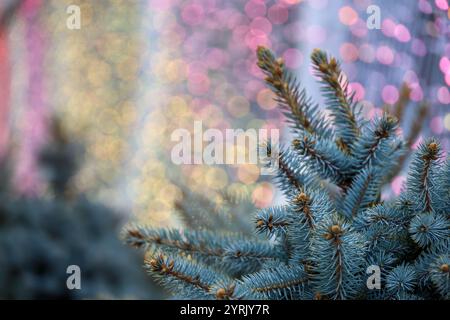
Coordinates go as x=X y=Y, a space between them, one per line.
x=302 y=207
x=337 y=253
x=307 y=211
x=429 y=261
x=417 y=123
x=363 y=192
x=323 y=158
x=244 y=257
x=292 y=176
x=334 y=224
x=401 y=281
x=301 y=113
x=281 y=283
x=339 y=101
x=385 y=229
x=194 y=242
x=403 y=100
x=413 y=132
x=375 y=146
x=182 y=276
x=422 y=180
x=225 y=291
x=272 y=221
x=440 y=274
x=429 y=229
x=231 y=254
x=444 y=182
x=288 y=177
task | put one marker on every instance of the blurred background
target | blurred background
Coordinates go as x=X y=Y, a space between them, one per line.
x=138 y=69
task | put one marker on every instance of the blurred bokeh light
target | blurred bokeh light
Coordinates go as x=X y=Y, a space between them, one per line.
x=137 y=70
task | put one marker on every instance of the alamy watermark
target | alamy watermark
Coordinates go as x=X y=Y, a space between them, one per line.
x=74 y=280
x=73 y=21
x=374 y=18
x=374 y=278
x=234 y=146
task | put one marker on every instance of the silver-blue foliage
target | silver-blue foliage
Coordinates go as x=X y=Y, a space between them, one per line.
x=335 y=224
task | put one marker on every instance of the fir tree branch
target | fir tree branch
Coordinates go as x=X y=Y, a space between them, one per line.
x=198 y=212
x=302 y=205
x=283 y=282
x=363 y=192
x=181 y=276
x=401 y=280
x=440 y=274
x=417 y=123
x=272 y=221
x=427 y=260
x=429 y=229
x=226 y=291
x=196 y=242
x=413 y=132
x=320 y=244
x=301 y=226
x=166 y=268
x=308 y=209
x=444 y=182
x=339 y=102
x=243 y=257
x=385 y=228
x=398 y=109
x=231 y=254
x=287 y=175
x=373 y=146
x=298 y=108
x=337 y=254
x=323 y=158
x=421 y=179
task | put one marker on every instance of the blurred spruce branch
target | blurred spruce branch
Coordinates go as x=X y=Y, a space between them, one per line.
x=410 y=127
x=41 y=237
x=10 y=8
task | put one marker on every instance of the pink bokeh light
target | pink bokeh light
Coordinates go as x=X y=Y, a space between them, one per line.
x=349 y=52
x=447 y=79
x=261 y=24
x=278 y=14
x=255 y=8
x=388 y=27
x=348 y=16
x=359 y=29
x=390 y=94
x=385 y=55
x=444 y=65
x=443 y=95
x=442 y=4
x=198 y=83
x=402 y=33
x=193 y=14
